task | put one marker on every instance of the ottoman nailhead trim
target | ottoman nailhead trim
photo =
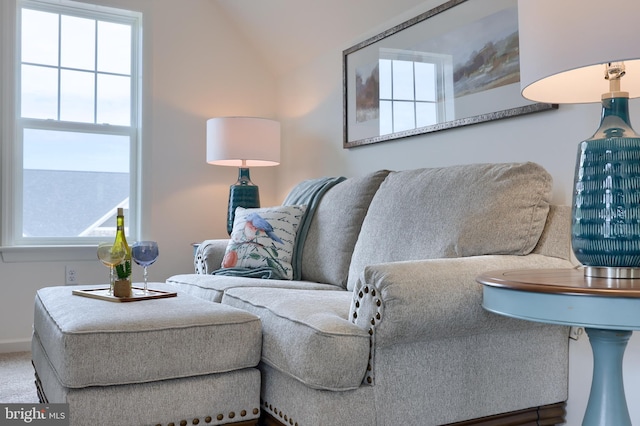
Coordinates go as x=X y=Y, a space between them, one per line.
x=209 y=419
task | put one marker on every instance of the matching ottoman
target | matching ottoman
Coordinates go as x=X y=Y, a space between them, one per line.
x=171 y=361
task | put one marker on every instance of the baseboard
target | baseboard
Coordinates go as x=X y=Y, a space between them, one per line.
x=21 y=345
x=552 y=414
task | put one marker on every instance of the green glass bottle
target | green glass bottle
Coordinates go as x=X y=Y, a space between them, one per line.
x=123 y=270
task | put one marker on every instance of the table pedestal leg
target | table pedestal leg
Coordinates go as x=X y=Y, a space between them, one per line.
x=607 y=404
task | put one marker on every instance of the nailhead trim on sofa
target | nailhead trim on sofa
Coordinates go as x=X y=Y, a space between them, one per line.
x=362 y=317
x=278 y=414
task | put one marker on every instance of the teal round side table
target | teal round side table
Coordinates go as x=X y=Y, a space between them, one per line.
x=608 y=309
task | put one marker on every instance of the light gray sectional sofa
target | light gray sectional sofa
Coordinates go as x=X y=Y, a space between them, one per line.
x=385 y=325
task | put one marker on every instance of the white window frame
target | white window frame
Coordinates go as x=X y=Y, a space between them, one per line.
x=13 y=123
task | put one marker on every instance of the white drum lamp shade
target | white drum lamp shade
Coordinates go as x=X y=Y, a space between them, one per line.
x=243 y=141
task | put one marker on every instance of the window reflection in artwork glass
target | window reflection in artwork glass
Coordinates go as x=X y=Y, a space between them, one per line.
x=403 y=90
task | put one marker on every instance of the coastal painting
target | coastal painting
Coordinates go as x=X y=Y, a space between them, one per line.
x=474 y=48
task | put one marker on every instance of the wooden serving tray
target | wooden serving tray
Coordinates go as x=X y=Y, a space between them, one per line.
x=103 y=294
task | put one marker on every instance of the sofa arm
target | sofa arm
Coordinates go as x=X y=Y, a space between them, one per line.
x=422 y=300
x=209 y=255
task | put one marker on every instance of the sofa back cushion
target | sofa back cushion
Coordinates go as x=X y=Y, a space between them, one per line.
x=454 y=211
x=555 y=240
x=335 y=227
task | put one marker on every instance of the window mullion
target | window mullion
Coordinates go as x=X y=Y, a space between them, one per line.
x=393 y=100
x=415 y=95
x=70 y=126
x=95 y=75
x=59 y=65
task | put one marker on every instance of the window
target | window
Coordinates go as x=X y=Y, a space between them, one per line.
x=77 y=125
x=416 y=90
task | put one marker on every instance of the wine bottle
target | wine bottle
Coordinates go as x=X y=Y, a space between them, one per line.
x=123 y=270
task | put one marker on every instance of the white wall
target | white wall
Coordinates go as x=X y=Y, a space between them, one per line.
x=198 y=67
x=310 y=105
x=203 y=68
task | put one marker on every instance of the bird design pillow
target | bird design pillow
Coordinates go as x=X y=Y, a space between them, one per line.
x=264 y=239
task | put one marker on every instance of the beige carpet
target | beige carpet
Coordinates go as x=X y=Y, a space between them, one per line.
x=17 y=383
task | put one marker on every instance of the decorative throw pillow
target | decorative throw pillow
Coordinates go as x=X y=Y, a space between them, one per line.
x=263 y=240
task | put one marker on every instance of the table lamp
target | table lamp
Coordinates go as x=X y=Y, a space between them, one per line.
x=581 y=51
x=243 y=142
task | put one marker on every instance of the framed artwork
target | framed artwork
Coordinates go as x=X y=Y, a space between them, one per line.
x=454 y=65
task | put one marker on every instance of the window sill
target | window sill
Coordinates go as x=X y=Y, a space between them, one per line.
x=47 y=253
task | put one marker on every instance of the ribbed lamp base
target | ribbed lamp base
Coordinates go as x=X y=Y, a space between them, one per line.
x=241 y=194
x=606 y=203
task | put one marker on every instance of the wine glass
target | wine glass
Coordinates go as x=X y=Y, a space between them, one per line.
x=111 y=254
x=144 y=253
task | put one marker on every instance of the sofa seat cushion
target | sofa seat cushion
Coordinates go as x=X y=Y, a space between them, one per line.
x=91 y=342
x=212 y=287
x=458 y=211
x=307 y=335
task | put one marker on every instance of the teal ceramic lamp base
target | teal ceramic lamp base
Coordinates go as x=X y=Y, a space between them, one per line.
x=243 y=193
x=606 y=202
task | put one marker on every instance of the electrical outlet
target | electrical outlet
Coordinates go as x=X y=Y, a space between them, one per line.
x=71 y=275
x=576 y=332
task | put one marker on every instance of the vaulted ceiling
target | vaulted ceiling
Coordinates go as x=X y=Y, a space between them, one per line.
x=289 y=33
